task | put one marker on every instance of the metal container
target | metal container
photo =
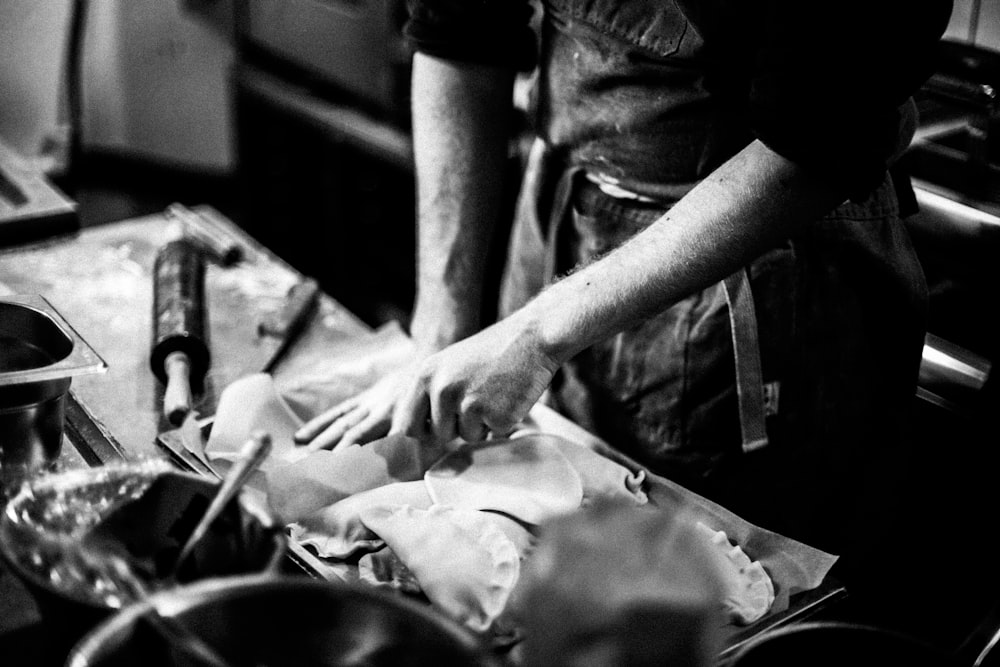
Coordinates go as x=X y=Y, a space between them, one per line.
x=832 y=643
x=39 y=355
x=143 y=509
x=286 y=621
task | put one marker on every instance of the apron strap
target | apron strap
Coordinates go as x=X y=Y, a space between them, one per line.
x=746 y=349
x=561 y=202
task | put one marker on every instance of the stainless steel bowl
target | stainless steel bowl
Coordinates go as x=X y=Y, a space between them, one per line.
x=285 y=621
x=56 y=533
x=39 y=354
x=833 y=643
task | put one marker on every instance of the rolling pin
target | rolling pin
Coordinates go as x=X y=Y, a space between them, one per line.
x=180 y=353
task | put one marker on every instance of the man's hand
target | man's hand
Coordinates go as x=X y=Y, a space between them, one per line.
x=359 y=419
x=484 y=384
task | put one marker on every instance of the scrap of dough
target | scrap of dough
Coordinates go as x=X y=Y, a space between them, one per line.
x=336 y=531
x=749 y=591
x=465 y=565
x=384 y=569
x=526 y=478
x=248 y=405
x=297 y=490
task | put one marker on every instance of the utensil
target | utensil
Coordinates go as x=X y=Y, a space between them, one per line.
x=291 y=621
x=289 y=324
x=177 y=636
x=193 y=442
x=250 y=457
x=40 y=353
x=180 y=355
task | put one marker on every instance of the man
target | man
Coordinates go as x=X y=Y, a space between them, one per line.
x=707 y=267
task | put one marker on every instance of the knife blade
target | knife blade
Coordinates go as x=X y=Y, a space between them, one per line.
x=193 y=442
x=289 y=324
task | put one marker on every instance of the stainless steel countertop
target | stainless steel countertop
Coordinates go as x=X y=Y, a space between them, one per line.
x=100 y=281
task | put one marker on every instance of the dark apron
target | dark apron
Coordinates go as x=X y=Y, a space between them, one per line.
x=767 y=392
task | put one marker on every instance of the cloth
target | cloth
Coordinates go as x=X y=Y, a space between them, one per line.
x=825 y=85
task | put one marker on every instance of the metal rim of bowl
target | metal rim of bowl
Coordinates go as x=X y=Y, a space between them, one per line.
x=746 y=651
x=176 y=601
x=82 y=359
x=268 y=523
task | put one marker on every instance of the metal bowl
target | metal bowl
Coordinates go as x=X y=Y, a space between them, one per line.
x=56 y=530
x=285 y=621
x=832 y=643
x=39 y=354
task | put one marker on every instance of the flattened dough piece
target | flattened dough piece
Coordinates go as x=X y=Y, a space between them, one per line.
x=749 y=591
x=252 y=404
x=529 y=479
x=336 y=531
x=297 y=490
x=465 y=565
x=601 y=477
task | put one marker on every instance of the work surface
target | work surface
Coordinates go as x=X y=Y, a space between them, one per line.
x=101 y=282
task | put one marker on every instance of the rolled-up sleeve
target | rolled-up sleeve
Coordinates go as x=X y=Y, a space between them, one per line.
x=488 y=32
x=831 y=77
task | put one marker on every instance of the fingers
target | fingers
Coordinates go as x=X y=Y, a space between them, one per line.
x=371 y=428
x=471 y=426
x=443 y=417
x=319 y=423
x=336 y=431
x=412 y=414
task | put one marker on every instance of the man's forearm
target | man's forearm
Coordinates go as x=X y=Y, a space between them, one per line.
x=461 y=124
x=747 y=206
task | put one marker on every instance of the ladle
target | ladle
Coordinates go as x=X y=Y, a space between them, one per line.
x=250 y=457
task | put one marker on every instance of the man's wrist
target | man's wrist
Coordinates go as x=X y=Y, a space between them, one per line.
x=434 y=328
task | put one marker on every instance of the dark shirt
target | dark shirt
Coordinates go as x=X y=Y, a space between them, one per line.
x=822 y=83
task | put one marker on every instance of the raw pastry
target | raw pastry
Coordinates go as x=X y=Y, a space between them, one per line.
x=526 y=478
x=336 y=531
x=465 y=565
x=601 y=477
x=749 y=591
x=324 y=477
x=252 y=404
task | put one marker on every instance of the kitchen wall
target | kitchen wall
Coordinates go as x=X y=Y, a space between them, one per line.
x=32 y=36
x=156 y=84
x=155 y=76
x=976 y=22
x=155 y=79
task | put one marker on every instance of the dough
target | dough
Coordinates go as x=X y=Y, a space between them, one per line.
x=336 y=531
x=248 y=405
x=527 y=478
x=297 y=490
x=748 y=590
x=465 y=565
x=601 y=477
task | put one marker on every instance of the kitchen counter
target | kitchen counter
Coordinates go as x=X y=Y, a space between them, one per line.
x=100 y=281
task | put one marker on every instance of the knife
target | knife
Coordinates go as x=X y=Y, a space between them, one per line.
x=193 y=443
x=291 y=321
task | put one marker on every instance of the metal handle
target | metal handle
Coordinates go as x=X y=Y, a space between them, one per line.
x=250 y=457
